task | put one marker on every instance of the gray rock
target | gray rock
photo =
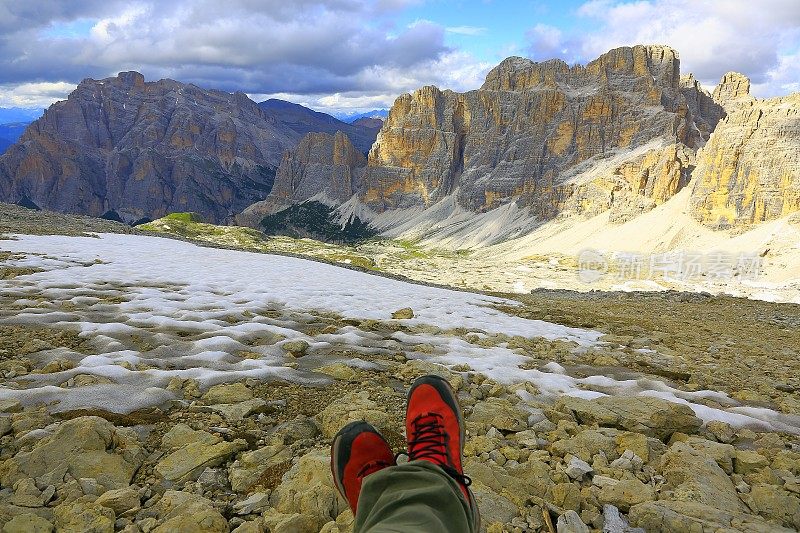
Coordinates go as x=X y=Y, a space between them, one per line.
x=28 y=523
x=570 y=522
x=255 y=503
x=578 y=468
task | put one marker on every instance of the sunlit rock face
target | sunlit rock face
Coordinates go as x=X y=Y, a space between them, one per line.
x=525 y=133
x=749 y=171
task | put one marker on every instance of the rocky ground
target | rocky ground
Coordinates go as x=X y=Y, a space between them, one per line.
x=252 y=454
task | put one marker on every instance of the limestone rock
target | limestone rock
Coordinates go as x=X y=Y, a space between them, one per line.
x=775 y=503
x=84 y=516
x=321 y=164
x=120 y=500
x=577 y=468
x=10 y=406
x=706 y=111
x=245 y=472
x=625 y=493
x=134 y=149
x=254 y=503
x=295 y=348
x=227 y=393
x=585 y=444
x=723 y=454
x=180 y=435
x=749 y=171
x=570 y=522
x=403 y=314
x=85 y=447
x=748 y=461
x=187 y=462
x=235 y=412
x=690 y=516
x=652 y=416
x=307 y=488
x=435 y=143
x=276 y=522
x=732 y=86
x=348 y=408
x=498 y=413
x=28 y=523
x=694 y=477
x=339 y=371
x=512 y=484
x=182 y=511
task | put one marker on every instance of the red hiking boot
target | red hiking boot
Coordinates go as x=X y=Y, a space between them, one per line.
x=357 y=451
x=435 y=429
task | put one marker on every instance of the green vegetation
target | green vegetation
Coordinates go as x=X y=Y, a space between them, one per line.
x=317 y=221
x=184 y=217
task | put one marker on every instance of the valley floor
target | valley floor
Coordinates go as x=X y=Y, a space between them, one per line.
x=151 y=384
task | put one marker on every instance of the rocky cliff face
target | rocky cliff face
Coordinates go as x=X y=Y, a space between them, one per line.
x=541 y=134
x=750 y=169
x=706 y=111
x=533 y=129
x=620 y=134
x=325 y=166
x=133 y=149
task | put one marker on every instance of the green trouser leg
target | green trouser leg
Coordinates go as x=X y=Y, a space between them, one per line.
x=414 y=497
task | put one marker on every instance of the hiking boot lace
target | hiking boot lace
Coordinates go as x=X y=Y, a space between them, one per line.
x=429 y=441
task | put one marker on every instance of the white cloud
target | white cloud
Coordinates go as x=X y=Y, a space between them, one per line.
x=759 y=39
x=546 y=42
x=456 y=70
x=40 y=94
x=466 y=30
x=258 y=46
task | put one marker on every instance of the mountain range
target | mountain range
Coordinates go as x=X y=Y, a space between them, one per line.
x=353 y=116
x=133 y=150
x=547 y=141
x=537 y=142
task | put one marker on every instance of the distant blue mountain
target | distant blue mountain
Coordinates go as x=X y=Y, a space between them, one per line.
x=13 y=131
x=4 y=144
x=352 y=116
x=19 y=114
x=304 y=120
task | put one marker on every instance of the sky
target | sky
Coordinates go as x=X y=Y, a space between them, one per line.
x=352 y=55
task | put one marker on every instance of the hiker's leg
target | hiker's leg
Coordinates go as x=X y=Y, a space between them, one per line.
x=416 y=496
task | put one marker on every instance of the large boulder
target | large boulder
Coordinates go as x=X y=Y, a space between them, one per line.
x=348 y=408
x=85 y=447
x=694 y=477
x=227 y=393
x=641 y=414
x=679 y=516
x=192 y=452
x=246 y=471
x=777 y=504
x=28 y=523
x=307 y=488
x=585 y=445
x=625 y=493
x=84 y=516
x=181 y=511
x=498 y=413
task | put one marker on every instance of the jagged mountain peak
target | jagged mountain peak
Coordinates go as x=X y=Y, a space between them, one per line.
x=732 y=86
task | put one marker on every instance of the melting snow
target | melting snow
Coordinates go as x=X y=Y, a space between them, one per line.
x=165 y=308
